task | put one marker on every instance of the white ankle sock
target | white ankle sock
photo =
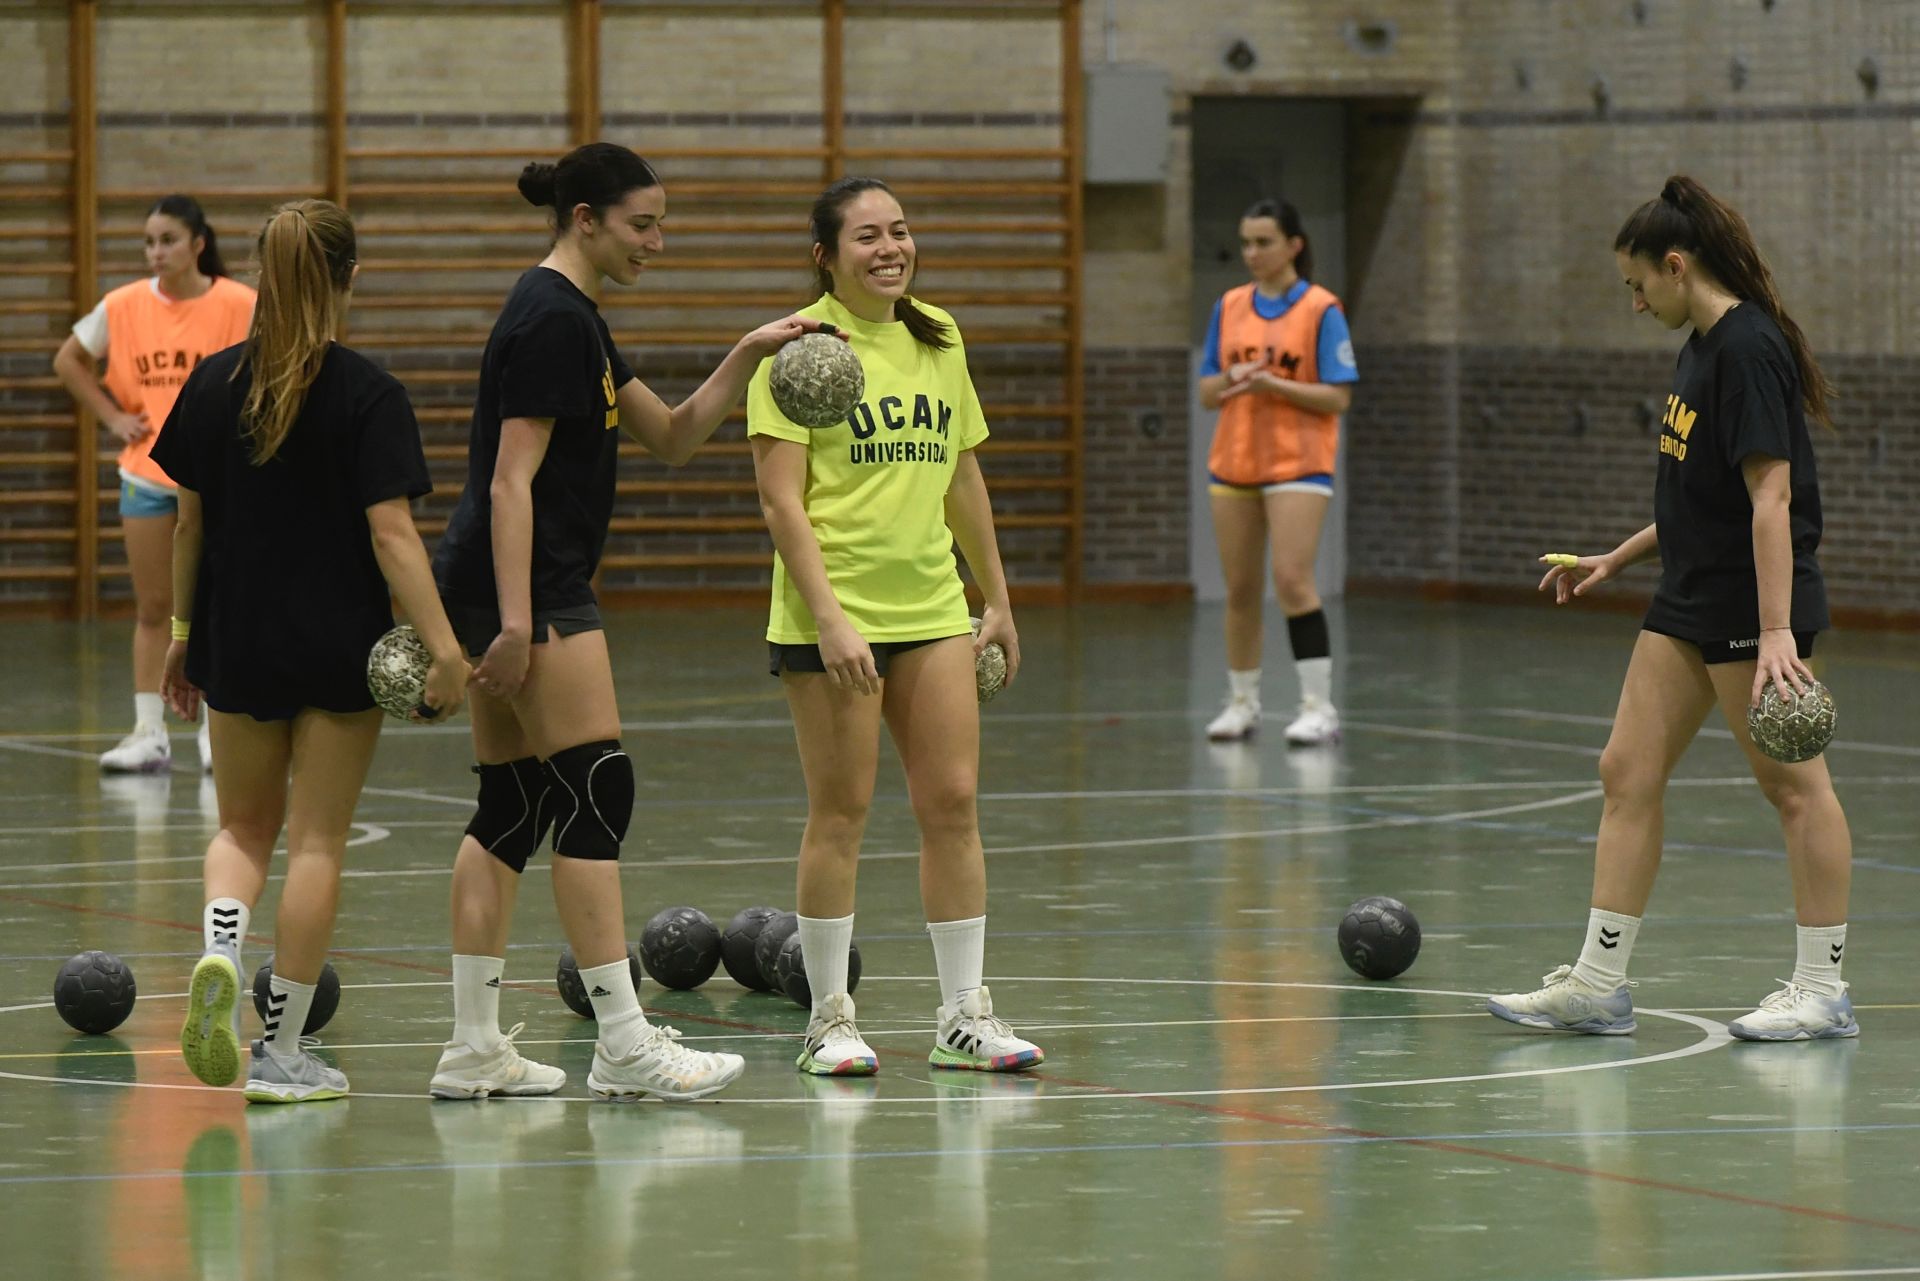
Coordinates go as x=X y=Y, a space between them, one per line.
x=615 y=1004
x=476 y=1000
x=1316 y=680
x=1603 y=961
x=1822 y=949
x=287 y=1006
x=959 y=955
x=823 y=944
x=223 y=926
x=149 y=714
x=1245 y=686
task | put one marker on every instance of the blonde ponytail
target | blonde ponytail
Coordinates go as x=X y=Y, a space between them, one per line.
x=307 y=254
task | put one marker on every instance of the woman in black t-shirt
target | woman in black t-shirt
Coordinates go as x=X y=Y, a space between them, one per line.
x=296 y=459
x=516 y=570
x=1736 y=525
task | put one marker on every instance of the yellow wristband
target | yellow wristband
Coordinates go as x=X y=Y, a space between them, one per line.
x=181 y=626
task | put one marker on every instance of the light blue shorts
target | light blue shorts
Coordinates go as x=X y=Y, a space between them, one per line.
x=138 y=500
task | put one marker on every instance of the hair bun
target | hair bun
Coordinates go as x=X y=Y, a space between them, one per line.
x=537 y=183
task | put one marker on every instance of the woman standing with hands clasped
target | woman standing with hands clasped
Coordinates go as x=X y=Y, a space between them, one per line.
x=296 y=459
x=1279 y=368
x=1736 y=527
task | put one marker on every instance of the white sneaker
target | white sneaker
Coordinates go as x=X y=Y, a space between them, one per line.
x=467 y=1073
x=145 y=751
x=1568 y=1004
x=833 y=1045
x=970 y=1038
x=204 y=739
x=1316 y=725
x=1796 y=1013
x=658 y=1065
x=1238 y=719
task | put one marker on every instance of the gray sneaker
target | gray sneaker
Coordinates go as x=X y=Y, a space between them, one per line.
x=1796 y=1013
x=302 y=1079
x=1568 y=1004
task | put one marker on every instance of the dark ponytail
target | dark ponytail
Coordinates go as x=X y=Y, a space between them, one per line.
x=1686 y=216
x=828 y=219
x=1287 y=218
x=598 y=175
x=188 y=213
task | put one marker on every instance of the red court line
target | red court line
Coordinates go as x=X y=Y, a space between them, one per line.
x=1460 y=1149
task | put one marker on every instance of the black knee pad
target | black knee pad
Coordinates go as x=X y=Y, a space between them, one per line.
x=1307 y=633
x=590 y=799
x=512 y=816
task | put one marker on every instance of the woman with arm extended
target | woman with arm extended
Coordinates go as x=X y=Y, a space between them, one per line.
x=1736 y=527
x=516 y=571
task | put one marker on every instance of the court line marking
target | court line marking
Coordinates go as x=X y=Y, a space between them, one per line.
x=1706 y=731
x=1186 y=1099
x=1183 y=838
x=1782 y=1276
x=43 y=743
x=1715 y=1037
x=785 y=1158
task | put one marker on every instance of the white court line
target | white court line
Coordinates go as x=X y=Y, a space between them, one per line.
x=1716 y=1036
x=1781 y=1276
x=1184 y=838
x=1706 y=731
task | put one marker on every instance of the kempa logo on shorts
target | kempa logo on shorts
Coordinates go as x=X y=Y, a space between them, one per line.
x=1743 y=644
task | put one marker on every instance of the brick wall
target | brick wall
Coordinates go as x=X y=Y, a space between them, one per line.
x=1493 y=150
x=1544 y=449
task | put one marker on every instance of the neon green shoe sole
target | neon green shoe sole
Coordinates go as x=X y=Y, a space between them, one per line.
x=207 y=1041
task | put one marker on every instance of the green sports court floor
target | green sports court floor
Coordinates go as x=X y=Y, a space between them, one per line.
x=1222 y=1099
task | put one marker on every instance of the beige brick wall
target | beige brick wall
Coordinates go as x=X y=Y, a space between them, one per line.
x=499 y=61
x=167 y=58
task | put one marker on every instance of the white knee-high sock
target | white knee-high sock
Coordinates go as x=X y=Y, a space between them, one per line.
x=287 y=1006
x=959 y=956
x=1822 y=949
x=476 y=1000
x=1603 y=961
x=824 y=941
x=223 y=927
x=615 y=1004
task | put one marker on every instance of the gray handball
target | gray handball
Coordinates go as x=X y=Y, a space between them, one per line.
x=397 y=672
x=989 y=668
x=816 y=380
x=1792 y=727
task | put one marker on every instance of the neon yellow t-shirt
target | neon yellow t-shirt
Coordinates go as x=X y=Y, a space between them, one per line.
x=877 y=485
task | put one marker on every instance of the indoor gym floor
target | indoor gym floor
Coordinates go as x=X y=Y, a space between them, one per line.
x=1222 y=1098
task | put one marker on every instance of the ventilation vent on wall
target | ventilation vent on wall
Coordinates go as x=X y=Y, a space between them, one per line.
x=1375 y=39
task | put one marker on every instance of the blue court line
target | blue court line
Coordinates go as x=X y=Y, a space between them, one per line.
x=914 y=1154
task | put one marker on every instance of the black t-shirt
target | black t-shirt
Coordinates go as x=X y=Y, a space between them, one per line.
x=289 y=597
x=549 y=356
x=1736 y=393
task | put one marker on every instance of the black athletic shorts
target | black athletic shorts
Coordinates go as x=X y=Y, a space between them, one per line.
x=476 y=625
x=1739 y=651
x=806 y=658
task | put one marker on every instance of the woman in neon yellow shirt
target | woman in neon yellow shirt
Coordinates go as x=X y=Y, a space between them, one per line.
x=869 y=623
